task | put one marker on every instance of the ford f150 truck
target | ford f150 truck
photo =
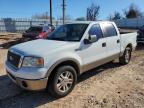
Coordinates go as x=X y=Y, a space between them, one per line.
x=56 y=62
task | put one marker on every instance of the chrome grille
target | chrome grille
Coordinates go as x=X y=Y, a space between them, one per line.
x=13 y=58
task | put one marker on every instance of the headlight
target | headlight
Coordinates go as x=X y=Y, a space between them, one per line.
x=33 y=62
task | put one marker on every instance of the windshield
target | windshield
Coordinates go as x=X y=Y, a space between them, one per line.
x=68 y=32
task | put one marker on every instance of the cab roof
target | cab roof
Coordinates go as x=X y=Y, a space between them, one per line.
x=87 y=22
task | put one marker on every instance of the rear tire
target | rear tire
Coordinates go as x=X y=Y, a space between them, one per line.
x=62 y=82
x=125 y=59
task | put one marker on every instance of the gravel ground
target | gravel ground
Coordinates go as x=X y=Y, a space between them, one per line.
x=109 y=86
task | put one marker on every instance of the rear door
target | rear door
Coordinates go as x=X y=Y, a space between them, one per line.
x=112 y=39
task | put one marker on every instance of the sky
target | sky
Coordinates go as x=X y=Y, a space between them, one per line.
x=74 y=8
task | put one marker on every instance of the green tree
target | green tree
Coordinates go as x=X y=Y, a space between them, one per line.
x=133 y=12
x=116 y=16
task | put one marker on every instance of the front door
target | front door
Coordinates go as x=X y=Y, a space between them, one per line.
x=93 y=54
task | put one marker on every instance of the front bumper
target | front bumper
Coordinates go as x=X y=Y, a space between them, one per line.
x=38 y=84
x=26 y=78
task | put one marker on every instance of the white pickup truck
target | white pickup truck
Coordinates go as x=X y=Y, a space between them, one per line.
x=56 y=62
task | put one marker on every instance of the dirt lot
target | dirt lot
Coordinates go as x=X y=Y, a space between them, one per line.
x=109 y=86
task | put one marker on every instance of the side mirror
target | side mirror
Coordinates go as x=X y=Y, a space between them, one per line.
x=91 y=39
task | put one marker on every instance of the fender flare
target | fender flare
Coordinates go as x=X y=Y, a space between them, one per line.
x=62 y=61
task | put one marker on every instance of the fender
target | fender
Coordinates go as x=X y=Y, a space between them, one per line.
x=61 y=61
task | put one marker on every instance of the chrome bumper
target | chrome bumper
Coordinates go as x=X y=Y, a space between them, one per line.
x=33 y=85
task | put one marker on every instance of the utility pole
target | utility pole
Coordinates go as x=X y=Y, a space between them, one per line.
x=51 y=12
x=63 y=9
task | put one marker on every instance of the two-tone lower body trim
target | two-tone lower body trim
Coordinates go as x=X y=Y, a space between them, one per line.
x=38 y=84
x=99 y=62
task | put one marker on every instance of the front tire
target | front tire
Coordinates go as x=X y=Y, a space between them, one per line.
x=62 y=82
x=125 y=59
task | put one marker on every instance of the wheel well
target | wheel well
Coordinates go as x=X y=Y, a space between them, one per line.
x=68 y=62
x=129 y=45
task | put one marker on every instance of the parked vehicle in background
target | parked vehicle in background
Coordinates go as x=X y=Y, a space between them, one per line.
x=72 y=49
x=36 y=32
x=140 y=38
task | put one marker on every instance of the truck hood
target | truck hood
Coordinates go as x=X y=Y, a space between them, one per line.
x=42 y=47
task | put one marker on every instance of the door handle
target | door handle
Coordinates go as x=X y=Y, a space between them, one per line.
x=104 y=44
x=118 y=41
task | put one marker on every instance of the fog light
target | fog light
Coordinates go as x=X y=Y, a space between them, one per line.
x=24 y=84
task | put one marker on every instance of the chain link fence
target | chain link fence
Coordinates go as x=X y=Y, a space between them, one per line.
x=20 y=25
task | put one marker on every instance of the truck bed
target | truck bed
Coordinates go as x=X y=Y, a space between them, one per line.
x=128 y=37
x=125 y=31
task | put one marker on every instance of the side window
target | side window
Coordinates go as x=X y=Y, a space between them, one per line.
x=96 y=30
x=110 y=30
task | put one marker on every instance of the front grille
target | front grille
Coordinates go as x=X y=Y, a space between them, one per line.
x=14 y=59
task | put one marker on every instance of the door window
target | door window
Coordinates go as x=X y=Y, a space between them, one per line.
x=96 y=30
x=110 y=30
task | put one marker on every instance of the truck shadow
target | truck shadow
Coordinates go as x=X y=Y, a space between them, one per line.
x=140 y=46
x=12 y=96
x=97 y=70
